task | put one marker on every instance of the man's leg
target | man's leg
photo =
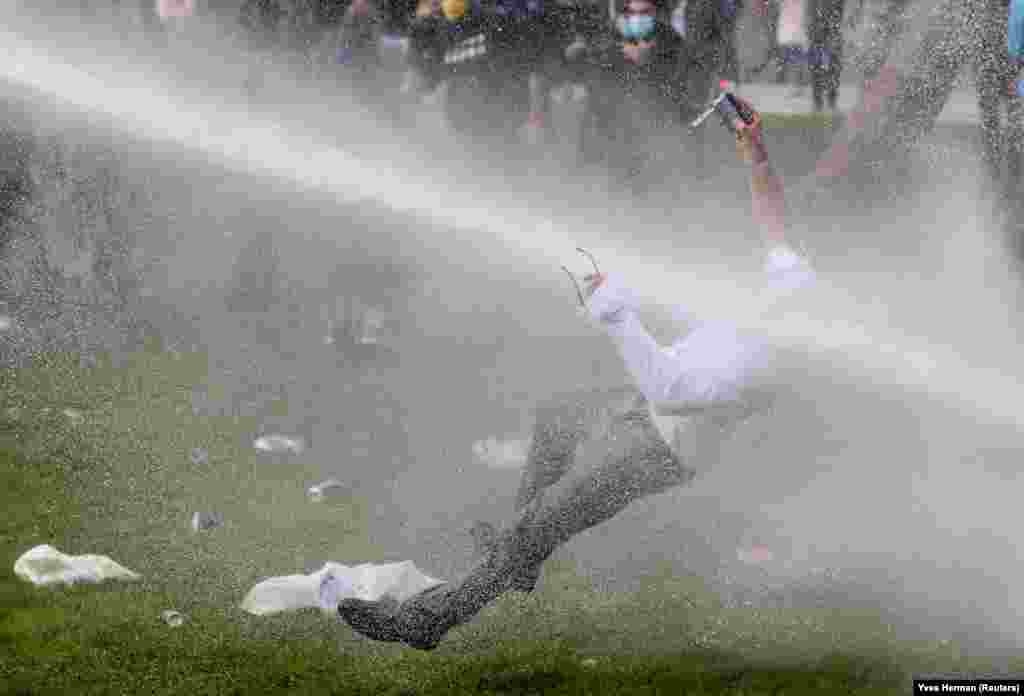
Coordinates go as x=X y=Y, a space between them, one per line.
x=632 y=462
x=557 y=431
x=994 y=72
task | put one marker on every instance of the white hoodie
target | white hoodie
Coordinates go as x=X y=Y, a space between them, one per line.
x=699 y=388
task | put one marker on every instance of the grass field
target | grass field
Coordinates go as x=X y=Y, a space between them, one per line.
x=113 y=476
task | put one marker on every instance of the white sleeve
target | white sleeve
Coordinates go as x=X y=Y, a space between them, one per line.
x=788 y=271
x=653 y=369
x=712 y=365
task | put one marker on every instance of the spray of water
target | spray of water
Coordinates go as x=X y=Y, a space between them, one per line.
x=235 y=137
x=835 y=323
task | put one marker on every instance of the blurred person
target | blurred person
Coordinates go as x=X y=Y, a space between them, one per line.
x=168 y=9
x=176 y=17
x=145 y=15
x=260 y=21
x=1015 y=32
x=356 y=49
x=636 y=95
x=300 y=34
x=902 y=95
x=998 y=71
x=763 y=21
x=687 y=400
x=492 y=67
x=327 y=17
x=484 y=64
x=825 y=53
x=328 y=13
x=885 y=21
x=708 y=28
x=398 y=15
x=977 y=30
x=574 y=26
x=793 y=45
x=257 y=278
x=420 y=88
x=426 y=45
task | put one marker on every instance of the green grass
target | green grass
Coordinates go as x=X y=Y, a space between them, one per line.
x=119 y=481
x=797 y=121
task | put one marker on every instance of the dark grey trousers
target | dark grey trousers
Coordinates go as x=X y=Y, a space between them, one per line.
x=627 y=460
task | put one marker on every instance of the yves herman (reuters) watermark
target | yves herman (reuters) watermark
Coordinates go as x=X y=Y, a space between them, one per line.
x=968 y=686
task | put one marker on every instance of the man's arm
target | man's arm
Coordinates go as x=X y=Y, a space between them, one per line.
x=768 y=202
x=614 y=306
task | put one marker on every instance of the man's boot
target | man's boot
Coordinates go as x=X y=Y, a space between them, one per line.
x=423 y=620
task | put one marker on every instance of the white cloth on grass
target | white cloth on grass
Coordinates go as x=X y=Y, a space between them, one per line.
x=44 y=565
x=335 y=582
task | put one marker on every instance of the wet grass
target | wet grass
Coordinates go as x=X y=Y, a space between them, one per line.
x=96 y=460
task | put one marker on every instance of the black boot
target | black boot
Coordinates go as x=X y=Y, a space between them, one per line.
x=412 y=622
x=423 y=620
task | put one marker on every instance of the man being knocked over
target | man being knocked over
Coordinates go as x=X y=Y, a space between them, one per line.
x=645 y=439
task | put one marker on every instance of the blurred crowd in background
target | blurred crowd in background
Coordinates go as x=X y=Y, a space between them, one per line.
x=633 y=68
x=494 y=66
x=632 y=73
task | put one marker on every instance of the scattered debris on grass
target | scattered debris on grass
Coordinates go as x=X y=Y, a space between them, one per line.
x=279 y=444
x=172 y=618
x=325 y=489
x=203 y=521
x=74 y=415
x=44 y=565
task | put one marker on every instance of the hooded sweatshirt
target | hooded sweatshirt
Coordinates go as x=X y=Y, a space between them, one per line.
x=707 y=382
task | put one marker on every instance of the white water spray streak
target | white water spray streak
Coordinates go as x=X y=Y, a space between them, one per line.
x=239 y=139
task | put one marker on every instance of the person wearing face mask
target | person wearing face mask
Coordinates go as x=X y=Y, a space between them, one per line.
x=639 y=440
x=633 y=76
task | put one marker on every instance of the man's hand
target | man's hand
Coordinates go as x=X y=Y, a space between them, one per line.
x=748 y=137
x=593 y=282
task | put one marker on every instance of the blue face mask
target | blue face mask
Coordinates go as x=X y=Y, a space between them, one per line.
x=636 y=27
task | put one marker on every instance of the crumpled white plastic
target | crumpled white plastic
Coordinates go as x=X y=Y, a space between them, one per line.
x=335 y=582
x=44 y=565
x=276 y=444
x=501 y=454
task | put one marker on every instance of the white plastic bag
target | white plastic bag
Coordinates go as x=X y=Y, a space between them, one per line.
x=279 y=444
x=334 y=582
x=501 y=454
x=325 y=490
x=44 y=565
